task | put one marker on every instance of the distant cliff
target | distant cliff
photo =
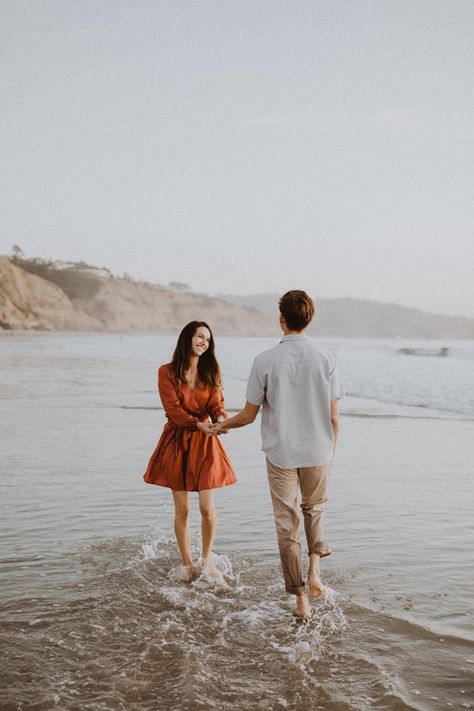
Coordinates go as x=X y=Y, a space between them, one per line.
x=31 y=303
x=40 y=295
x=45 y=295
x=363 y=318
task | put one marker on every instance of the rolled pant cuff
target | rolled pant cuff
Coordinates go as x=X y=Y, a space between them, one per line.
x=295 y=590
x=322 y=548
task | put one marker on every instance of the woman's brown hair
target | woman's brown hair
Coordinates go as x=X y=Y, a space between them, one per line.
x=297 y=309
x=209 y=373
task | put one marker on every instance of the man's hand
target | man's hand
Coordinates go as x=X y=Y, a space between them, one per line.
x=219 y=426
x=222 y=428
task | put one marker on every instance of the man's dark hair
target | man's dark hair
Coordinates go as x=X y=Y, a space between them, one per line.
x=297 y=309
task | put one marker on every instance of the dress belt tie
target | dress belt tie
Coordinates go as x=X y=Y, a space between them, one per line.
x=181 y=438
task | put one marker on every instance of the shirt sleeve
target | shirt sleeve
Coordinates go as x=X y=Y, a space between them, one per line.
x=216 y=405
x=336 y=388
x=172 y=406
x=255 y=393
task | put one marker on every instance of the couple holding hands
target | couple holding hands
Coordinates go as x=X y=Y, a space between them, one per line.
x=297 y=385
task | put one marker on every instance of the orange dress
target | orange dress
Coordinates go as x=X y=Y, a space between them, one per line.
x=186 y=459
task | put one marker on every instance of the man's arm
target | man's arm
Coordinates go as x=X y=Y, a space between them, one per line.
x=335 y=420
x=244 y=417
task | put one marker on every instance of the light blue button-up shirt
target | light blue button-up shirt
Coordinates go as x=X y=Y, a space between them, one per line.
x=295 y=383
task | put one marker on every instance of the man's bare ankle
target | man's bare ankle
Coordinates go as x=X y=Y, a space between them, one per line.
x=302 y=605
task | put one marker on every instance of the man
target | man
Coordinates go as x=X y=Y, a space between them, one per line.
x=297 y=384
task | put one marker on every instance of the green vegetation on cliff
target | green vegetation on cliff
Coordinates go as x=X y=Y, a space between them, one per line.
x=76 y=279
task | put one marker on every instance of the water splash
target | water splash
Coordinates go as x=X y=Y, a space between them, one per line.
x=132 y=635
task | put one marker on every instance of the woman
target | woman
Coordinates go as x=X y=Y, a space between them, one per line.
x=186 y=458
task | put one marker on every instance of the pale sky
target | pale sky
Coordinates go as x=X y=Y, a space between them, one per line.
x=245 y=146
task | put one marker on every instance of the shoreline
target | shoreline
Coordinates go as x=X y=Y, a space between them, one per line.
x=173 y=331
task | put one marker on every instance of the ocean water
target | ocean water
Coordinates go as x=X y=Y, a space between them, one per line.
x=94 y=611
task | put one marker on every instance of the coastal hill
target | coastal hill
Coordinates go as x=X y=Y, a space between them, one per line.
x=364 y=318
x=44 y=295
x=36 y=294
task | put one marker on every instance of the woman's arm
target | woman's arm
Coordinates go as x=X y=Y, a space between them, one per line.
x=216 y=406
x=172 y=406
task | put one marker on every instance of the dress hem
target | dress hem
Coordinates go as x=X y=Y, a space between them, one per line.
x=204 y=488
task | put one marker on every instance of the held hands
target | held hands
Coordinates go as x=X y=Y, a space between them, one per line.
x=205 y=427
x=213 y=429
x=219 y=427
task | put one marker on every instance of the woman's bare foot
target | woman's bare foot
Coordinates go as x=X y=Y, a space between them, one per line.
x=303 y=609
x=211 y=570
x=189 y=573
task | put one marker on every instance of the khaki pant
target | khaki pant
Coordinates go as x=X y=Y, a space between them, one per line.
x=284 y=485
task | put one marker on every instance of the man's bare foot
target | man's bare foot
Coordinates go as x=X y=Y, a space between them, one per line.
x=303 y=609
x=315 y=585
x=316 y=588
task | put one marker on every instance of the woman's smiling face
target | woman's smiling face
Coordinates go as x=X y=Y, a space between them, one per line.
x=200 y=341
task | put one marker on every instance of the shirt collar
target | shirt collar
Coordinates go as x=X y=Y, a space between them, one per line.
x=294 y=337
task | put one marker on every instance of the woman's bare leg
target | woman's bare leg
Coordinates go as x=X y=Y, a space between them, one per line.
x=208 y=528
x=181 y=530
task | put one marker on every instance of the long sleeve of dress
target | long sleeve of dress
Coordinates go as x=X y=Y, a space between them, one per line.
x=216 y=405
x=171 y=403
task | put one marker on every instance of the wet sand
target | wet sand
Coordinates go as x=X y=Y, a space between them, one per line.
x=94 y=613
